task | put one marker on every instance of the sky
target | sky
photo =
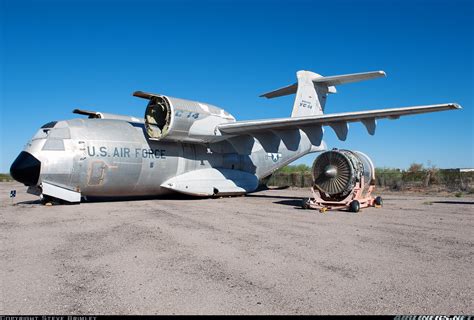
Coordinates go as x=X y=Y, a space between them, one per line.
x=56 y=56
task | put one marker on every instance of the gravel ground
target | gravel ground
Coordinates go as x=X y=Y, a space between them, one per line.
x=258 y=254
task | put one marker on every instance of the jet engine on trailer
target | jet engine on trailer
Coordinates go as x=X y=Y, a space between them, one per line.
x=342 y=179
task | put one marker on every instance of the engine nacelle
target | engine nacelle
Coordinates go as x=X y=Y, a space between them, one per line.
x=168 y=118
x=337 y=173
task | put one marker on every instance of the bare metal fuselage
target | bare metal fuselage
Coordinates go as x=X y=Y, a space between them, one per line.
x=115 y=158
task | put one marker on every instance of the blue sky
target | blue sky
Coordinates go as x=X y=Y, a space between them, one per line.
x=60 y=55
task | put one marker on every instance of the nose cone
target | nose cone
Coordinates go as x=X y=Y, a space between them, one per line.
x=26 y=169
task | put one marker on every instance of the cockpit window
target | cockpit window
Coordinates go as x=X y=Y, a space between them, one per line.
x=49 y=125
x=42 y=133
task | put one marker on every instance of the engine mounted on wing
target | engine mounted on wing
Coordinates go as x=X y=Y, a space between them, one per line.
x=174 y=119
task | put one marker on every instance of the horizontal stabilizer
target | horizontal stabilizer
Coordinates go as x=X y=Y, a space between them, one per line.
x=328 y=81
x=338 y=121
x=348 y=78
x=291 y=89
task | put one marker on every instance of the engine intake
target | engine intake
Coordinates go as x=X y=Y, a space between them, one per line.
x=337 y=172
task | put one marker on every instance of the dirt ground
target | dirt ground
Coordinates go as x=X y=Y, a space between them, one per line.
x=259 y=254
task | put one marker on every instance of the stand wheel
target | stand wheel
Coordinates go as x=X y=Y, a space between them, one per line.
x=378 y=201
x=354 y=206
x=305 y=203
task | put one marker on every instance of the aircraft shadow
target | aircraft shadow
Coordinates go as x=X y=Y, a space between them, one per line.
x=176 y=196
x=454 y=202
x=293 y=203
x=121 y=199
x=274 y=197
x=38 y=201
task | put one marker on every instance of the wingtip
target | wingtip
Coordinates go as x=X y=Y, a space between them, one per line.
x=382 y=73
x=455 y=105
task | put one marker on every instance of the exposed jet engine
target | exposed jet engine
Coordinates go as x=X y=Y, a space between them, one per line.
x=345 y=177
x=174 y=119
x=336 y=173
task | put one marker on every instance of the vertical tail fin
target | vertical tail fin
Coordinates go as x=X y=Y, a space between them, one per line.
x=310 y=98
x=312 y=90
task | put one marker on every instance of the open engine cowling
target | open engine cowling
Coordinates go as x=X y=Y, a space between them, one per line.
x=337 y=172
x=168 y=118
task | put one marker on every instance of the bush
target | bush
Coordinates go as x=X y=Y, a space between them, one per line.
x=415 y=167
x=5 y=177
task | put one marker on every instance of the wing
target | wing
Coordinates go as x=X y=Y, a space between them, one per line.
x=337 y=121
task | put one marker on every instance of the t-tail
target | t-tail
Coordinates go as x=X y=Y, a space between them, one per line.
x=312 y=90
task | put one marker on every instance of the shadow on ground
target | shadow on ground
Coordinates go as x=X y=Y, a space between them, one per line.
x=454 y=202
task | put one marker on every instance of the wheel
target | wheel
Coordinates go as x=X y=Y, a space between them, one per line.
x=47 y=200
x=354 y=206
x=52 y=201
x=305 y=203
x=378 y=201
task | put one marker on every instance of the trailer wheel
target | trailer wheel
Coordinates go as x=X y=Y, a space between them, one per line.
x=378 y=201
x=354 y=206
x=305 y=203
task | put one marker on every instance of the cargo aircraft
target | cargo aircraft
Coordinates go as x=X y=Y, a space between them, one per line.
x=187 y=147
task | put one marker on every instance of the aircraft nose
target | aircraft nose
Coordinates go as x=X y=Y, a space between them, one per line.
x=26 y=169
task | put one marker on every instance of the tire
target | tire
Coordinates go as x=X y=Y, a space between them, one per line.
x=305 y=203
x=47 y=200
x=354 y=206
x=378 y=201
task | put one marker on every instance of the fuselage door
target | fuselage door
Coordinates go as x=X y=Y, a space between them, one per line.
x=97 y=173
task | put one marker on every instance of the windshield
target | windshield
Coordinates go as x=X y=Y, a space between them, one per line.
x=43 y=133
